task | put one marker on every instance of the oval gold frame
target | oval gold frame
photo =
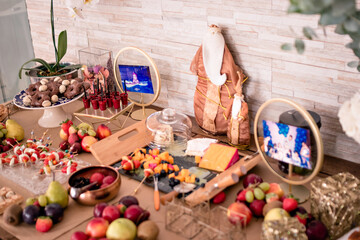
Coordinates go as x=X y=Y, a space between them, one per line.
x=314 y=128
x=152 y=63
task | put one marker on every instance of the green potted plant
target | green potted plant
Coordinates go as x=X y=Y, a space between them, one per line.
x=57 y=68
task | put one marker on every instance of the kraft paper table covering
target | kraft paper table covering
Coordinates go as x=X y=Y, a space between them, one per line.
x=76 y=216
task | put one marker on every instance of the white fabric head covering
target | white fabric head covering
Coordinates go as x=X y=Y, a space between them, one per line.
x=213 y=52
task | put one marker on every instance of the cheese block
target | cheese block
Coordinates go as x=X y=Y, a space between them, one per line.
x=219 y=157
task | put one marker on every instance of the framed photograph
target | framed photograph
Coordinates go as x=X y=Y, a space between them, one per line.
x=136 y=79
x=287 y=143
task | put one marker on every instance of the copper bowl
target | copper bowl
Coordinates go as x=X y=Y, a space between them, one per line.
x=92 y=197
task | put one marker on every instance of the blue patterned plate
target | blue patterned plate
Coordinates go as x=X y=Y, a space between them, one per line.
x=18 y=101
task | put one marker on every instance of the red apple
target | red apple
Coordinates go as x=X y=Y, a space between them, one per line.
x=97 y=227
x=111 y=213
x=99 y=208
x=79 y=236
x=63 y=135
x=239 y=213
x=104 y=185
x=73 y=138
x=103 y=131
x=133 y=213
x=122 y=208
x=109 y=179
x=82 y=133
x=256 y=207
x=43 y=224
x=87 y=142
x=251 y=178
x=97 y=177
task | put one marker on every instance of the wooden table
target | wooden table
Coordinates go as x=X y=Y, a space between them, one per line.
x=77 y=216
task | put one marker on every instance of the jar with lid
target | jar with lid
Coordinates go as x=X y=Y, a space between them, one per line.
x=171 y=130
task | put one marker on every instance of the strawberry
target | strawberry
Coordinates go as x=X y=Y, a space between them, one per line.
x=43 y=224
x=302 y=217
x=61 y=155
x=290 y=204
x=65 y=125
x=128 y=166
x=136 y=164
x=241 y=196
x=219 y=198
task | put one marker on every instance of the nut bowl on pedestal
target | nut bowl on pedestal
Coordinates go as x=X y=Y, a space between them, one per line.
x=97 y=195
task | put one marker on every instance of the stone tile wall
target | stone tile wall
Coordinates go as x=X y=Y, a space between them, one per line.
x=171 y=32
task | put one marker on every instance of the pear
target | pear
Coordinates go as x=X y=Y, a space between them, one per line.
x=56 y=193
x=14 y=130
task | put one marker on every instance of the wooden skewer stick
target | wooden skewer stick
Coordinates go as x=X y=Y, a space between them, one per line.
x=16 y=141
x=137 y=188
x=32 y=134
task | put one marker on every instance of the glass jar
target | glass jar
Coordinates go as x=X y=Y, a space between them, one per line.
x=170 y=130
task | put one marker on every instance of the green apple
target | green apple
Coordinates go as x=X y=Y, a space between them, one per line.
x=276 y=214
x=121 y=229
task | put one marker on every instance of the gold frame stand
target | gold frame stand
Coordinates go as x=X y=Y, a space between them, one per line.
x=141 y=113
x=303 y=192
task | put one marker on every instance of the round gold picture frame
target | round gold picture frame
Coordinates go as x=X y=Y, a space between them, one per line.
x=315 y=131
x=143 y=112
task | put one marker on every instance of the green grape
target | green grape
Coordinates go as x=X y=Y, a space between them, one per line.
x=30 y=201
x=42 y=200
x=1 y=134
x=264 y=186
x=4 y=131
x=249 y=196
x=259 y=194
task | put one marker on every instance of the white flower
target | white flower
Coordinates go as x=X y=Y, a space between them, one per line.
x=349 y=116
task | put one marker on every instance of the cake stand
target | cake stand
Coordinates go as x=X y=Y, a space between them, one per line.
x=53 y=115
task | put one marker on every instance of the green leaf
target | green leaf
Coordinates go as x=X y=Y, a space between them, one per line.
x=340 y=29
x=62 y=46
x=39 y=60
x=76 y=66
x=53 y=28
x=353 y=45
x=286 y=47
x=328 y=19
x=352 y=25
x=309 y=33
x=300 y=46
x=343 y=7
x=353 y=64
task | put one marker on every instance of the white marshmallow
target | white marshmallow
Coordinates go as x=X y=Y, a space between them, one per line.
x=62 y=88
x=44 y=81
x=43 y=88
x=65 y=82
x=54 y=98
x=46 y=103
x=57 y=79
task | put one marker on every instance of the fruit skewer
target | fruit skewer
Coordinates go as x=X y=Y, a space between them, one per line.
x=147 y=173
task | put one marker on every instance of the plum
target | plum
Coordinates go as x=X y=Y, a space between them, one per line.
x=316 y=230
x=55 y=212
x=30 y=214
x=251 y=179
x=128 y=201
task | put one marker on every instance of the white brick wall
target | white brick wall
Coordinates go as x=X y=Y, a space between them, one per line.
x=171 y=31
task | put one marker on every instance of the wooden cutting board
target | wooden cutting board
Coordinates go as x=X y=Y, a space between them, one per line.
x=110 y=150
x=208 y=192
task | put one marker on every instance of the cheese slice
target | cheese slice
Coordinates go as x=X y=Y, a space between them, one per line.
x=219 y=157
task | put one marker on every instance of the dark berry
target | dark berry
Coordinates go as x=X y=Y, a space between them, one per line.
x=176 y=181
x=202 y=185
x=197 y=179
x=176 y=173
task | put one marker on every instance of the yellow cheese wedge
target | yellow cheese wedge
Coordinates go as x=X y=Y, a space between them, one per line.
x=219 y=157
